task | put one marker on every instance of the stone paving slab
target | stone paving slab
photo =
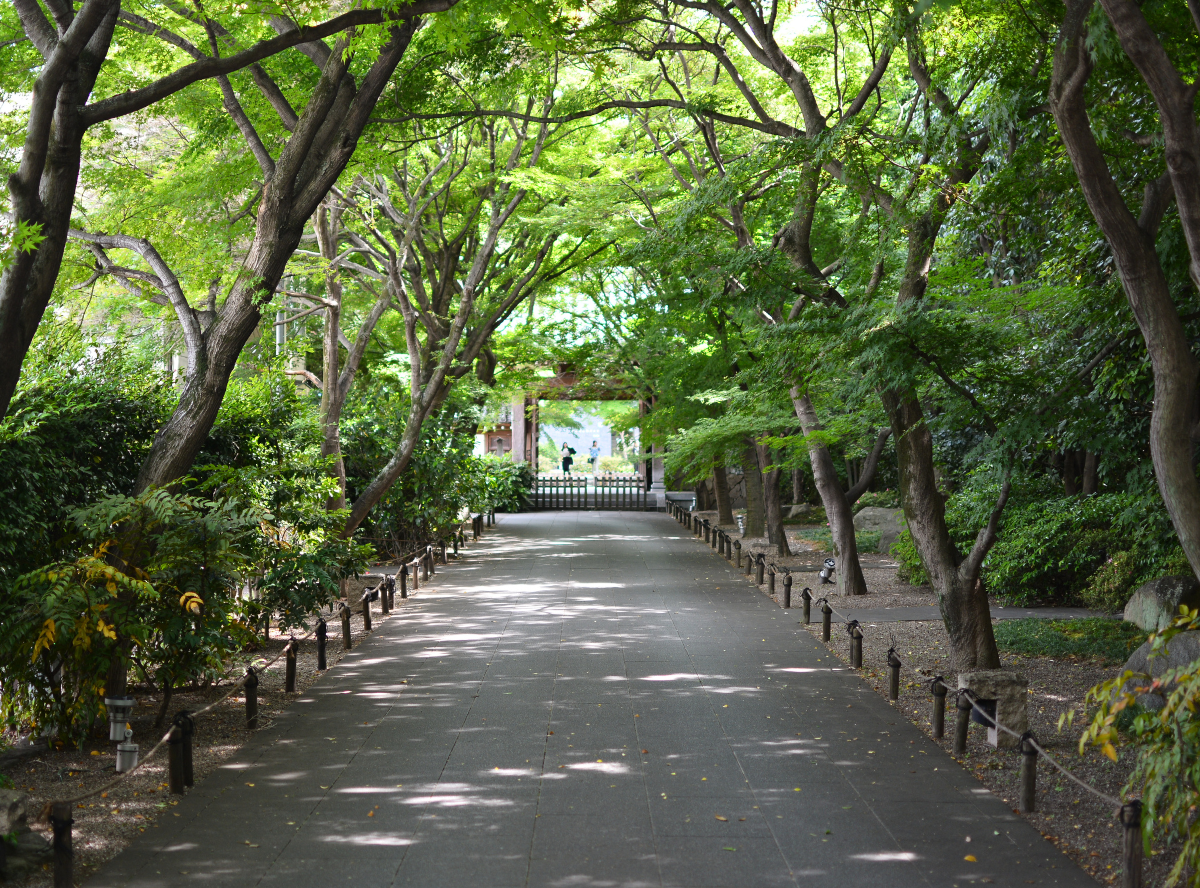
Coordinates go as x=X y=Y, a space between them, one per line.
x=590 y=700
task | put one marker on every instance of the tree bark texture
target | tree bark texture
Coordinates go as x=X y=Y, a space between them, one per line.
x=755 y=513
x=849 y=575
x=772 y=500
x=42 y=190
x=721 y=492
x=1132 y=240
x=311 y=161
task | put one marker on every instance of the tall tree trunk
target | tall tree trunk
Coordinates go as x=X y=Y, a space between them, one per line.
x=721 y=491
x=961 y=598
x=1091 y=466
x=772 y=505
x=314 y=156
x=755 y=513
x=1070 y=473
x=798 y=492
x=849 y=575
x=42 y=190
x=333 y=400
x=1132 y=241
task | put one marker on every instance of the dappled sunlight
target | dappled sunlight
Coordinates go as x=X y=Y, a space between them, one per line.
x=601 y=767
x=887 y=857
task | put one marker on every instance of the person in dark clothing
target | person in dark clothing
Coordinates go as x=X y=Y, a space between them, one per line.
x=568 y=454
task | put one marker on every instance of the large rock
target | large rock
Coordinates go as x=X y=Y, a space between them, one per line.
x=1154 y=605
x=14 y=811
x=886 y=522
x=1011 y=692
x=1182 y=650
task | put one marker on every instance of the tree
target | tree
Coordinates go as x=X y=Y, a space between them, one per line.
x=73 y=59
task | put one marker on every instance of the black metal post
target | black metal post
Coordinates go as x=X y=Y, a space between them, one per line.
x=737 y=549
x=1029 y=756
x=322 y=640
x=856 y=636
x=962 y=724
x=175 y=760
x=806 y=597
x=787 y=590
x=188 y=725
x=402 y=576
x=1131 y=849
x=289 y=672
x=826 y=615
x=894 y=665
x=251 y=686
x=937 y=687
x=64 y=865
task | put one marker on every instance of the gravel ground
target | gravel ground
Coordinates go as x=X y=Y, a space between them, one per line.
x=106 y=824
x=1080 y=824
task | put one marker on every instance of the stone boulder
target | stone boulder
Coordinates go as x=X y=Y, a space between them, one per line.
x=798 y=510
x=1182 y=650
x=28 y=850
x=886 y=522
x=1154 y=605
x=14 y=811
x=1010 y=690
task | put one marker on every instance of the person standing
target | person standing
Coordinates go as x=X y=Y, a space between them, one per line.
x=594 y=456
x=568 y=460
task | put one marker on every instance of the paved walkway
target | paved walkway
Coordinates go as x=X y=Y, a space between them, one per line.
x=590 y=699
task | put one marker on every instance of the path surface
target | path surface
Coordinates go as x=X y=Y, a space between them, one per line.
x=590 y=699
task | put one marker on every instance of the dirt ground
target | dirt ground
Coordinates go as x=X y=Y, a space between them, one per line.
x=1079 y=823
x=105 y=824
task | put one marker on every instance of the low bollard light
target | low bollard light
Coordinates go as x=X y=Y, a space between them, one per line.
x=787 y=590
x=737 y=549
x=322 y=640
x=402 y=576
x=806 y=597
x=826 y=573
x=826 y=618
x=127 y=754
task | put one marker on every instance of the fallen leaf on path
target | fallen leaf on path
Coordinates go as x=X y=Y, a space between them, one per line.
x=970 y=858
x=722 y=819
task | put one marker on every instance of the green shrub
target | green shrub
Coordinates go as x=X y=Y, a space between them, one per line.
x=1111 y=641
x=866 y=540
x=886 y=499
x=911 y=569
x=1166 y=744
x=1110 y=586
